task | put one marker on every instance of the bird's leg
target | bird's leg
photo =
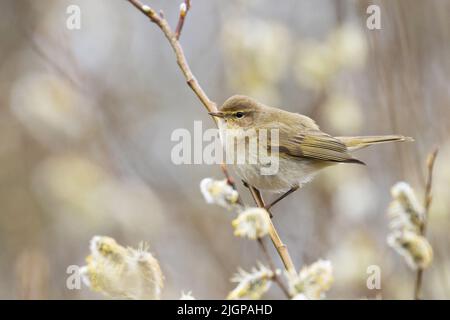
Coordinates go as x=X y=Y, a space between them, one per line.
x=257 y=194
x=284 y=195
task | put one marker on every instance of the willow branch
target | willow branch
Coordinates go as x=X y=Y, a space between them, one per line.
x=276 y=277
x=173 y=37
x=263 y=247
x=426 y=204
x=276 y=240
x=178 y=50
x=184 y=9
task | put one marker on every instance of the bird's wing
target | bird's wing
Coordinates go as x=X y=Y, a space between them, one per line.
x=313 y=144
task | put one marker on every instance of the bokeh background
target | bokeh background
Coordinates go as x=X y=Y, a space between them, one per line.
x=86 y=117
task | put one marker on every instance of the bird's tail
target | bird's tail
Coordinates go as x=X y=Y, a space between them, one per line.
x=355 y=143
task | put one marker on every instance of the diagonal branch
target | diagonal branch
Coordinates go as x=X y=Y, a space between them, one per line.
x=427 y=203
x=276 y=240
x=178 y=50
x=276 y=277
x=172 y=37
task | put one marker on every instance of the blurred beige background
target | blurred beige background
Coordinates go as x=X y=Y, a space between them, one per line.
x=86 y=117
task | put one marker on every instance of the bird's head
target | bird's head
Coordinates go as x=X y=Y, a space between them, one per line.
x=239 y=112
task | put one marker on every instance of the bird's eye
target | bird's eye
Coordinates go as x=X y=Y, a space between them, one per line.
x=239 y=115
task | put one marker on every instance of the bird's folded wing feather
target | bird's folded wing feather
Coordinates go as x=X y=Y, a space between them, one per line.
x=313 y=144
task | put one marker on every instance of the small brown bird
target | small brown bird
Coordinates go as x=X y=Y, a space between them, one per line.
x=301 y=148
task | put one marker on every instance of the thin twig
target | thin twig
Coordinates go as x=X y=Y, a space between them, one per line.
x=181 y=59
x=426 y=204
x=162 y=23
x=178 y=50
x=230 y=179
x=184 y=9
x=276 y=277
x=276 y=240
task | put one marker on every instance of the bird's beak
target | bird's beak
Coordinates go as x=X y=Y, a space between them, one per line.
x=218 y=114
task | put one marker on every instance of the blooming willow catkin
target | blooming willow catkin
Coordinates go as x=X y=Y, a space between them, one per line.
x=405 y=210
x=219 y=192
x=251 y=285
x=121 y=272
x=413 y=247
x=407 y=220
x=252 y=223
x=312 y=281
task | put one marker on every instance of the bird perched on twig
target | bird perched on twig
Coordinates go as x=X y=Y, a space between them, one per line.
x=300 y=148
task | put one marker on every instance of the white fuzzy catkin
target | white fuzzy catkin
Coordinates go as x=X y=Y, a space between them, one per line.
x=252 y=223
x=415 y=248
x=251 y=285
x=312 y=281
x=407 y=217
x=405 y=210
x=120 y=272
x=219 y=192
